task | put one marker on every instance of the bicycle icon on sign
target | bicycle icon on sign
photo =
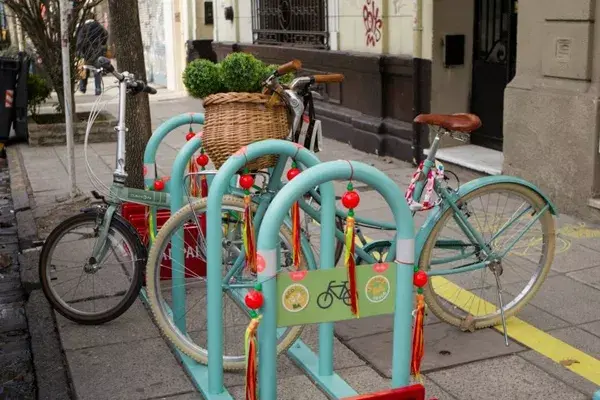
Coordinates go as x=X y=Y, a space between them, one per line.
x=339 y=291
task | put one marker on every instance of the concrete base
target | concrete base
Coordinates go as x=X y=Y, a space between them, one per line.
x=54 y=134
x=550 y=139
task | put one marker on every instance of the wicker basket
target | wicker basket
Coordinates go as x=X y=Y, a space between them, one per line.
x=234 y=120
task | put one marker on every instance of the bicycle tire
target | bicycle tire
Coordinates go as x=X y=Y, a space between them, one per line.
x=549 y=234
x=160 y=317
x=128 y=233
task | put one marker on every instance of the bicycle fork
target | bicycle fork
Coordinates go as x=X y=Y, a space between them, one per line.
x=101 y=246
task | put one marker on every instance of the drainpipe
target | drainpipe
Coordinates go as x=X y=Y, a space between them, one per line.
x=417 y=147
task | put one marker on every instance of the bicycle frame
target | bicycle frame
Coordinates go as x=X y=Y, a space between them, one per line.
x=448 y=199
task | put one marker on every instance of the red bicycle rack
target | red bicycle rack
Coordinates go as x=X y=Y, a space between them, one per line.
x=413 y=392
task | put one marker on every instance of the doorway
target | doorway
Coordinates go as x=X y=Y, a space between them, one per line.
x=494 y=66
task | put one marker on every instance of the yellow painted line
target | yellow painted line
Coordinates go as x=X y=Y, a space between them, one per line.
x=541 y=342
x=530 y=336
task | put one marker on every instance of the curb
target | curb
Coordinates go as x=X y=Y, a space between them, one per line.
x=49 y=361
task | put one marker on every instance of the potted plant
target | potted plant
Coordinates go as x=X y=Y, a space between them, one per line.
x=236 y=110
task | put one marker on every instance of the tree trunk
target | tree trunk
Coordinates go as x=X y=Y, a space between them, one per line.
x=125 y=31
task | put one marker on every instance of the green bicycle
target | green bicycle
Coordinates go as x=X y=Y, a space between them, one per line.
x=454 y=245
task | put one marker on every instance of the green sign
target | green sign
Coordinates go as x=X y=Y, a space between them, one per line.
x=310 y=297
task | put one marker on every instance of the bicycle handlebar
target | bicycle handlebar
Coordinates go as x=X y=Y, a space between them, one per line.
x=291 y=66
x=104 y=63
x=330 y=78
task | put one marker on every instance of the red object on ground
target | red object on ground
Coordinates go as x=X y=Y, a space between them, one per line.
x=195 y=266
x=413 y=392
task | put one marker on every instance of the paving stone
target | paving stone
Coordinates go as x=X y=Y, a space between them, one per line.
x=126 y=371
x=30 y=277
x=559 y=372
x=12 y=317
x=589 y=276
x=295 y=387
x=503 y=378
x=183 y=396
x=580 y=339
x=355 y=328
x=344 y=357
x=592 y=327
x=567 y=299
x=540 y=318
x=132 y=326
x=445 y=346
x=575 y=258
x=583 y=233
x=50 y=369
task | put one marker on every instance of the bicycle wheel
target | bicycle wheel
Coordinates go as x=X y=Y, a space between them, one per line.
x=193 y=342
x=121 y=269
x=521 y=271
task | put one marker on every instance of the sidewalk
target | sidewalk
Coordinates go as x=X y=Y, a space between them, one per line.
x=128 y=359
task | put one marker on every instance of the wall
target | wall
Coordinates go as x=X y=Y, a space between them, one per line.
x=551 y=106
x=238 y=30
x=376 y=26
x=203 y=31
x=451 y=87
x=371 y=26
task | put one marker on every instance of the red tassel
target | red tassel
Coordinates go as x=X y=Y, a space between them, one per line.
x=251 y=372
x=352 y=279
x=418 y=344
x=296 y=235
x=204 y=187
x=192 y=169
x=249 y=236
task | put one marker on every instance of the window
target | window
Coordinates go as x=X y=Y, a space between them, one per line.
x=301 y=23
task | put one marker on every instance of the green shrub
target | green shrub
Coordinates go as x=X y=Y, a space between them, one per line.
x=38 y=91
x=284 y=80
x=242 y=72
x=202 y=78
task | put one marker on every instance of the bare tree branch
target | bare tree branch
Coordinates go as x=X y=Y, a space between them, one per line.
x=44 y=34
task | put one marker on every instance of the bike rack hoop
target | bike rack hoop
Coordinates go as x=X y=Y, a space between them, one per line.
x=320 y=368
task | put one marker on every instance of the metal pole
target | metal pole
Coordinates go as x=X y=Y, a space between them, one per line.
x=65 y=12
x=20 y=36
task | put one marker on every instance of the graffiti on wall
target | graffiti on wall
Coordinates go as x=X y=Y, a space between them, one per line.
x=373 y=23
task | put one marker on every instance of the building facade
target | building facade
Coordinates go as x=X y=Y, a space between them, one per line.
x=530 y=70
x=167 y=26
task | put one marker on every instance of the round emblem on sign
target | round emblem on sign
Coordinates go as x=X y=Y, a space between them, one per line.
x=377 y=289
x=295 y=297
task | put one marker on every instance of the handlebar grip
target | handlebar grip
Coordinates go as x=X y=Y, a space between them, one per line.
x=329 y=78
x=105 y=64
x=149 y=90
x=291 y=66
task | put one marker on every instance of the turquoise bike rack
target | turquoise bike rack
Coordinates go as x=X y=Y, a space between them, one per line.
x=210 y=379
x=180 y=162
x=156 y=139
x=320 y=368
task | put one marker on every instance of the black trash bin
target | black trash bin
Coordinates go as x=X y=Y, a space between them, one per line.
x=9 y=71
x=22 y=99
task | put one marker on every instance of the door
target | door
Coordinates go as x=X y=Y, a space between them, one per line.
x=494 y=64
x=153 y=36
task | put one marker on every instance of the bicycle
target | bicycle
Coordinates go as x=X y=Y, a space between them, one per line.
x=474 y=252
x=112 y=237
x=325 y=299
